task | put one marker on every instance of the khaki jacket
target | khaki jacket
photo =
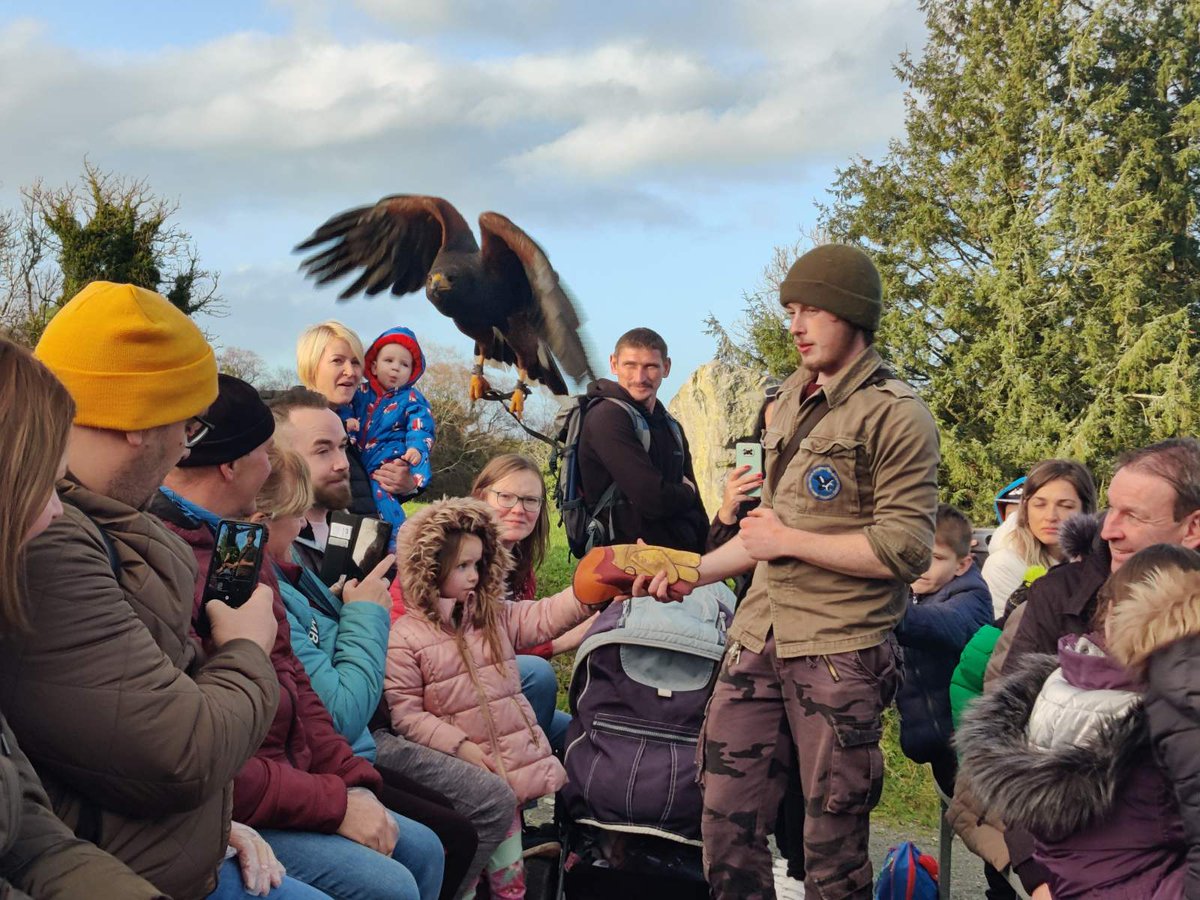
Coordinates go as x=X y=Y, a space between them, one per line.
x=135 y=736
x=39 y=856
x=870 y=467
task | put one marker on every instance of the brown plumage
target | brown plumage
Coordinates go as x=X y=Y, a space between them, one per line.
x=506 y=296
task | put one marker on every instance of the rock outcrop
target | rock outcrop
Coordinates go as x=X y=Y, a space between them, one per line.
x=717 y=406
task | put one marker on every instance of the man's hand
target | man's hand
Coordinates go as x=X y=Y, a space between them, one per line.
x=1041 y=892
x=395 y=477
x=763 y=535
x=469 y=751
x=254 y=620
x=367 y=822
x=660 y=587
x=373 y=588
x=261 y=871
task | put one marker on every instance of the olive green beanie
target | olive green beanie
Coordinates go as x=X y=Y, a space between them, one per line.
x=840 y=279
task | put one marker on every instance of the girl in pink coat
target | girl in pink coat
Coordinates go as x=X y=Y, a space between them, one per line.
x=452 y=681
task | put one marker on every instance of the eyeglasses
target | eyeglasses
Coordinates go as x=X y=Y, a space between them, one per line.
x=195 y=430
x=506 y=500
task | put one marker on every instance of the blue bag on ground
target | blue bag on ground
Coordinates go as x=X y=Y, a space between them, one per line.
x=907 y=874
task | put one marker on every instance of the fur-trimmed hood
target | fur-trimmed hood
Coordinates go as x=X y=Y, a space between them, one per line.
x=1056 y=793
x=1156 y=612
x=421 y=540
x=1079 y=535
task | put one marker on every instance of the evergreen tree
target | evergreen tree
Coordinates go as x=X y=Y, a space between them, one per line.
x=111 y=229
x=1038 y=233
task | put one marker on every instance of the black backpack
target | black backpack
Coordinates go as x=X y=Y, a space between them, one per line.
x=588 y=527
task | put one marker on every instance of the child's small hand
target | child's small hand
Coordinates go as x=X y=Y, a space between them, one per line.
x=412 y=456
x=351 y=426
x=469 y=751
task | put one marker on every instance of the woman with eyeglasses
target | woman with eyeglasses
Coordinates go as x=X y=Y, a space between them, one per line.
x=39 y=855
x=513 y=486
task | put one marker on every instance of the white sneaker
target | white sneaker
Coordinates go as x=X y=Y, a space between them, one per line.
x=786 y=887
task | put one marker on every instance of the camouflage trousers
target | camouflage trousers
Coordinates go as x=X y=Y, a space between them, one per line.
x=767 y=714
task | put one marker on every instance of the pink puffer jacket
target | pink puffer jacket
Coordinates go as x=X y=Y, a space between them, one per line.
x=438 y=698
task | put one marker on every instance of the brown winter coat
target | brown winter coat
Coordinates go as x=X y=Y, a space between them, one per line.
x=135 y=735
x=438 y=699
x=38 y=854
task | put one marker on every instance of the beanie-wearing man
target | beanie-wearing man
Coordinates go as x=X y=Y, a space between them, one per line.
x=313 y=799
x=846 y=523
x=135 y=733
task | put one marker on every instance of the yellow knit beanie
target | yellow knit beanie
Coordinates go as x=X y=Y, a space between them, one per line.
x=130 y=359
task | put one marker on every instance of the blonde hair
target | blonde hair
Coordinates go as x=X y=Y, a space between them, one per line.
x=288 y=489
x=314 y=341
x=35 y=419
x=1151 y=601
x=531 y=551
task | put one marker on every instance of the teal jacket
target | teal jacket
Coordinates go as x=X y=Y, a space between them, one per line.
x=967 y=681
x=343 y=648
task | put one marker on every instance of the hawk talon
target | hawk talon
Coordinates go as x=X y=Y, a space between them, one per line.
x=517 y=404
x=479 y=387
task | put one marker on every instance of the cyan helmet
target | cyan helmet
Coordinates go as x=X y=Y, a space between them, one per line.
x=1010 y=493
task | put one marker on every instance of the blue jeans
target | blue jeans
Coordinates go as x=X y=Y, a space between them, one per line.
x=350 y=871
x=230 y=887
x=539 y=684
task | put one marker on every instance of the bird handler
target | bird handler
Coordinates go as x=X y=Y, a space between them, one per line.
x=846 y=522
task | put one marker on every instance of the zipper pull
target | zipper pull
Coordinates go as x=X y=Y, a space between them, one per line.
x=7 y=750
x=735 y=653
x=833 y=672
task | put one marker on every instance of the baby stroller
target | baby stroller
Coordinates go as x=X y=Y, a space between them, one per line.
x=629 y=816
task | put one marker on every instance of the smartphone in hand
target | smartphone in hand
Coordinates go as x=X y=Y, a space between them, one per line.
x=356 y=545
x=236 y=561
x=749 y=453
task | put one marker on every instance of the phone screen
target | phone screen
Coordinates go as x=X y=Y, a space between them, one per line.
x=356 y=545
x=236 y=560
x=749 y=453
x=370 y=545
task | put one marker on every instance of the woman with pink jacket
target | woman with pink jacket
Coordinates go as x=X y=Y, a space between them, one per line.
x=452 y=681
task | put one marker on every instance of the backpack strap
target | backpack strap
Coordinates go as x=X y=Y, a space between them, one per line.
x=880 y=375
x=640 y=426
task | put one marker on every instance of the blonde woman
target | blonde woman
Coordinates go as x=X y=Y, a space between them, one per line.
x=329 y=360
x=1054 y=490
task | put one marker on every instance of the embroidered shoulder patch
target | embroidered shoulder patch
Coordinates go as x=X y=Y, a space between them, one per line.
x=823 y=482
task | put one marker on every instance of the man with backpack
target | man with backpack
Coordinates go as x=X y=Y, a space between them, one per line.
x=846 y=523
x=634 y=464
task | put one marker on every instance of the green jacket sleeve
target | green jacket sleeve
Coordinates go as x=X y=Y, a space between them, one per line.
x=967 y=681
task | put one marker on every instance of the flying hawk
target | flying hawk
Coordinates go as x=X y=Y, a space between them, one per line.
x=506 y=296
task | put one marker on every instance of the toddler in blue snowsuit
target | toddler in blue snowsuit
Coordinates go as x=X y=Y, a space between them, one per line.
x=389 y=419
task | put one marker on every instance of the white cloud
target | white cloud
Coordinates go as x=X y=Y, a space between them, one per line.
x=737 y=89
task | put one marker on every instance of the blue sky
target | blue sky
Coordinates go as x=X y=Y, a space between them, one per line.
x=657 y=151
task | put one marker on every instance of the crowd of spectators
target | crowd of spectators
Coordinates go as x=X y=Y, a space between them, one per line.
x=380 y=736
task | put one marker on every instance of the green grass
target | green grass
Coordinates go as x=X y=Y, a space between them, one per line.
x=908 y=798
